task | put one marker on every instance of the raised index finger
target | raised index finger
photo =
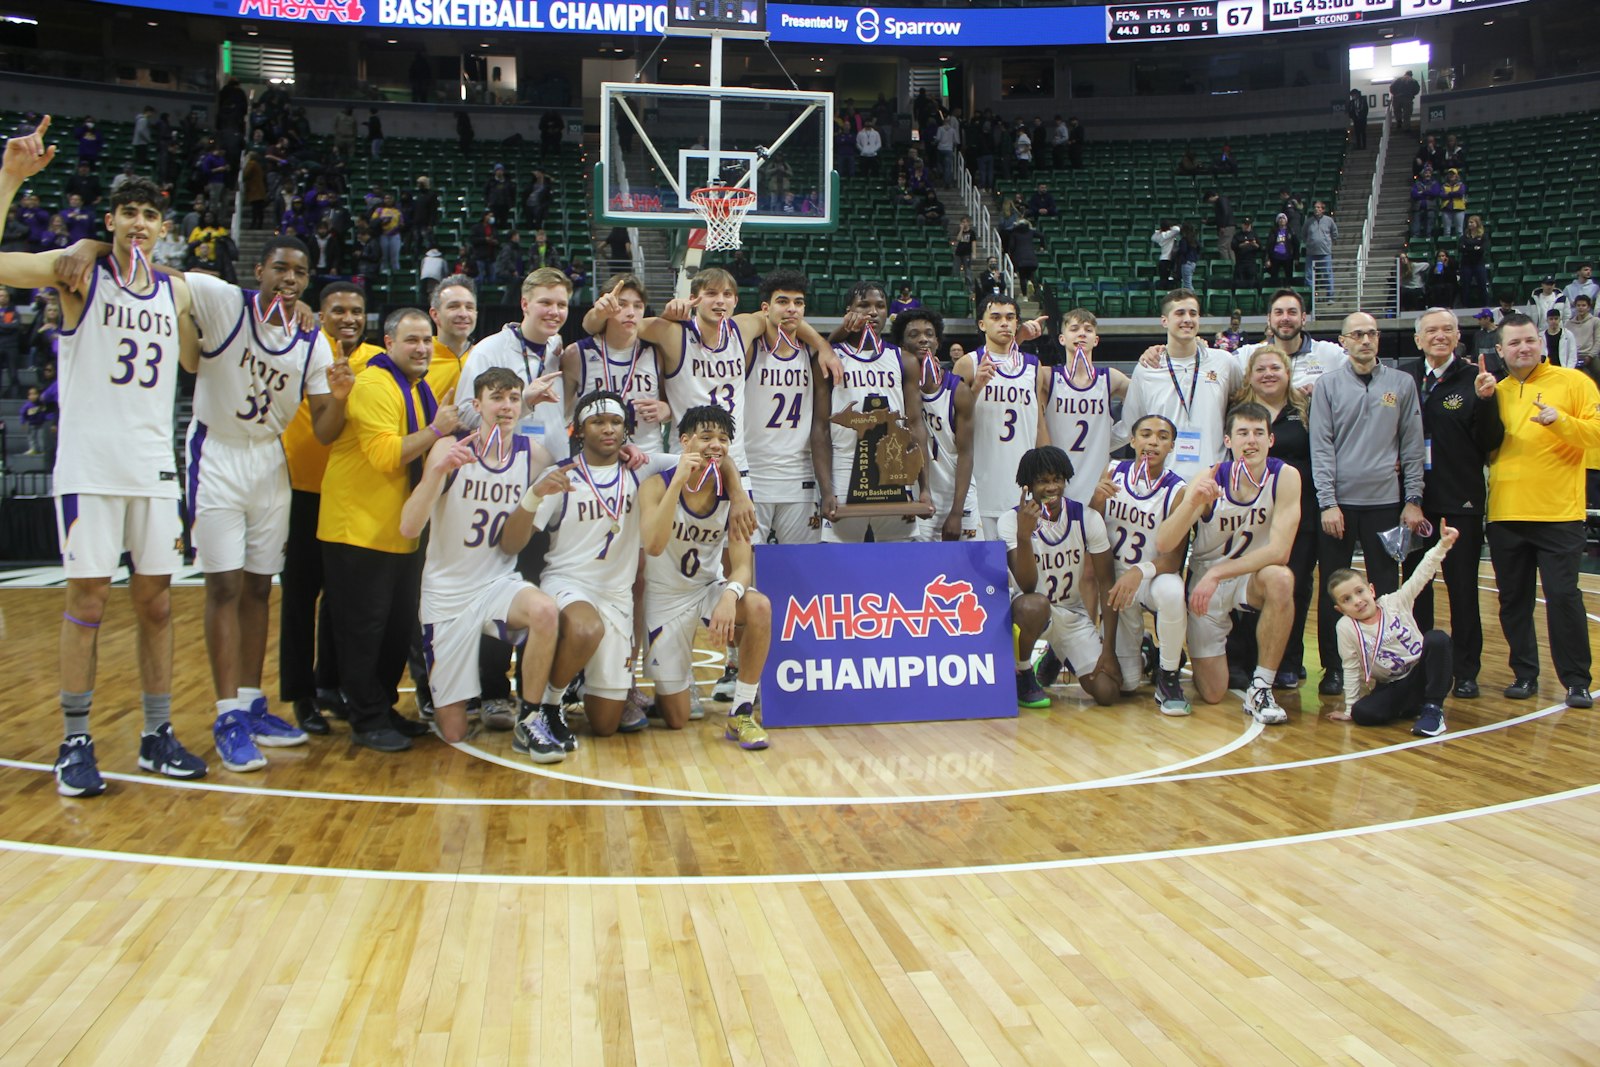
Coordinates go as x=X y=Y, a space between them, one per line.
x=43 y=127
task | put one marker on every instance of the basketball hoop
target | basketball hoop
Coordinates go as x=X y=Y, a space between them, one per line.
x=723 y=207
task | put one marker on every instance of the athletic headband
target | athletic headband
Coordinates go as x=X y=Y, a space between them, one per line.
x=603 y=406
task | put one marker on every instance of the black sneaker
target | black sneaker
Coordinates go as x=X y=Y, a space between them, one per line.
x=1286 y=680
x=1047 y=668
x=1149 y=657
x=555 y=724
x=407 y=727
x=1466 y=689
x=381 y=739
x=1430 y=721
x=1522 y=689
x=1029 y=695
x=1578 y=697
x=1332 y=683
x=722 y=691
x=77 y=774
x=531 y=737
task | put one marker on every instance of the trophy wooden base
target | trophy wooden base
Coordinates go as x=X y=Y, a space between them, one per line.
x=916 y=509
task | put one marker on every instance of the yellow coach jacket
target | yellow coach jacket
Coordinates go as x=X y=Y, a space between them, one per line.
x=1538 y=475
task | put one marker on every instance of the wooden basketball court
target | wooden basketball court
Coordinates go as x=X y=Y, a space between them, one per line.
x=1074 y=886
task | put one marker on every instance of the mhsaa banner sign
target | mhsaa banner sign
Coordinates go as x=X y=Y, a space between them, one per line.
x=886 y=633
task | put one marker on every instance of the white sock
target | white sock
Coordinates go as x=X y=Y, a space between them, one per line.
x=1264 y=677
x=552 y=695
x=249 y=696
x=744 y=693
x=227 y=704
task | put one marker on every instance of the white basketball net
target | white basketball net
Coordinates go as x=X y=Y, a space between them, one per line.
x=722 y=208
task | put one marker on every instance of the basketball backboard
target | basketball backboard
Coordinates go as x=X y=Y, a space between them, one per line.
x=658 y=143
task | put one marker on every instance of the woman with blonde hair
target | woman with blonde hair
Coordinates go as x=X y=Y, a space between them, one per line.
x=1269 y=381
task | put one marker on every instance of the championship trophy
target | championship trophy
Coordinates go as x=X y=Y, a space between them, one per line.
x=885 y=464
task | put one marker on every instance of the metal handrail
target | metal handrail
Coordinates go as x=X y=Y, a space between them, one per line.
x=983 y=224
x=1367 y=229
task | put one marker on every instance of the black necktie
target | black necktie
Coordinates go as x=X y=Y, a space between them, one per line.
x=1427 y=388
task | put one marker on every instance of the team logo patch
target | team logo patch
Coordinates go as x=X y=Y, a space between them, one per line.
x=1389 y=400
x=1454 y=401
x=1211 y=376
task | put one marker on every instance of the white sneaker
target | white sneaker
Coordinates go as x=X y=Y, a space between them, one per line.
x=1262 y=707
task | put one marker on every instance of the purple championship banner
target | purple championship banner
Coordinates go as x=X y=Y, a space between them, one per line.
x=887 y=633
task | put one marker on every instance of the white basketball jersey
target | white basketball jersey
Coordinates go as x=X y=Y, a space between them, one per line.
x=464 y=532
x=547 y=423
x=118 y=375
x=1236 y=524
x=692 y=559
x=867 y=373
x=712 y=375
x=253 y=374
x=1079 y=423
x=777 y=435
x=632 y=373
x=584 y=548
x=939 y=418
x=1133 y=515
x=1005 y=424
x=1060 y=550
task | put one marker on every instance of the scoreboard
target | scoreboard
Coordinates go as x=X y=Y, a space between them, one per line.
x=1225 y=18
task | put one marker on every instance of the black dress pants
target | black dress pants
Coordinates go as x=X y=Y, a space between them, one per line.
x=1428 y=683
x=1549 y=551
x=306 y=657
x=373 y=596
x=1460 y=573
x=1361 y=526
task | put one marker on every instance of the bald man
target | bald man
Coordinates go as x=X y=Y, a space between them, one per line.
x=1364 y=423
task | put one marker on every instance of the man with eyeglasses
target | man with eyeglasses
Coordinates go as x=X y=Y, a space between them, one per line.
x=1365 y=423
x=1460 y=427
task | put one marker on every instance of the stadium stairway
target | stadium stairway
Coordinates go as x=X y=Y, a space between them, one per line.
x=1355 y=189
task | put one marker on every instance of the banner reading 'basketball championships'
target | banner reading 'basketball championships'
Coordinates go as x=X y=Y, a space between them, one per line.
x=886 y=633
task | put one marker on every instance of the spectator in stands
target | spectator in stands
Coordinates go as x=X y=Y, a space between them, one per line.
x=1453 y=204
x=536 y=204
x=1222 y=220
x=1188 y=165
x=551 y=127
x=1165 y=238
x=80 y=222
x=1060 y=137
x=930 y=211
x=327 y=251
x=1547 y=298
x=1187 y=254
x=57 y=236
x=1024 y=253
x=1536 y=510
x=254 y=182
x=744 y=272
x=433 y=270
x=212 y=169
x=1585 y=328
x=84 y=184
x=344 y=131
x=1231 y=338
x=374 y=126
x=203 y=243
x=1453 y=154
x=1483 y=342
x=1075 y=143
x=11 y=360
x=990 y=281
x=961 y=244
x=170 y=250
x=486 y=245
x=511 y=261
x=1321 y=233
x=1426 y=193
x=1356 y=107
x=1443 y=284
x=1403 y=94
x=619 y=251
x=44 y=342
x=143 y=136
x=36 y=218
x=1472 y=261
x=1413 y=276
x=1022 y=149
x=464 y=263
x=869 y=142
x=543 y=252
x=1560 y=347
x=369 y=252
x=1042 y=203
x=34 y=417
x=15 y=237
x=91 y=142
x=1506 y=308
x=500 y=196
x=1226 y=162
x=1428 y=155
x=1292 y=207
x=295 y=222
x=424 y=215
x=1583 y=285
x=945 y=139
x=465 y=134
x=906 y=301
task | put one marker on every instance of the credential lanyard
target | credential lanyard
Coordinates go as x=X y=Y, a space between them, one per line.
x=1194 y=386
